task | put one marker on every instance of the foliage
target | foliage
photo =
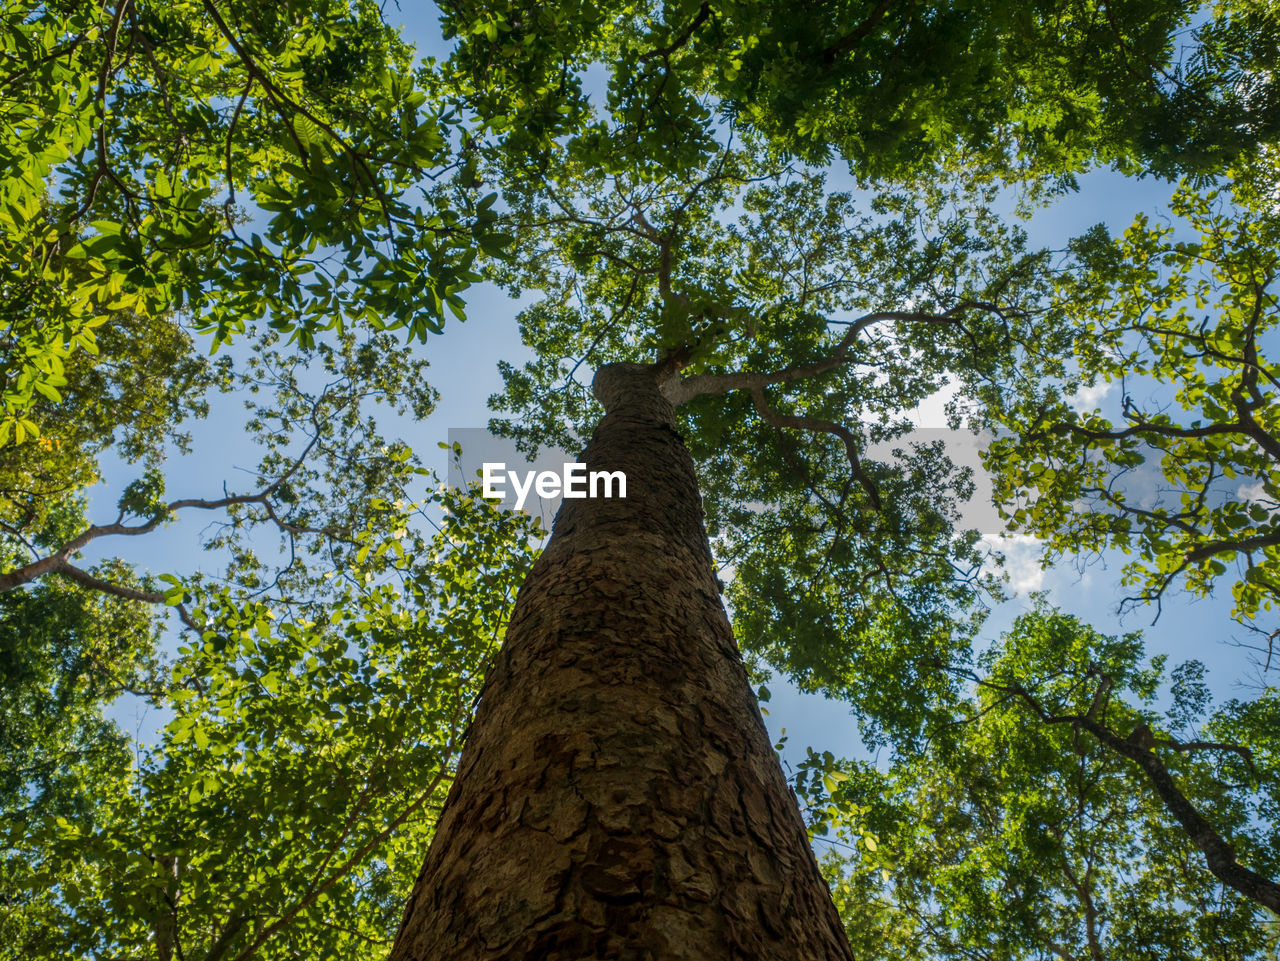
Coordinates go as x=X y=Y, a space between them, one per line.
x=806 y=332
x=137 y=140
x=284 y=809
x=65 y=652
x=1185 y=475
x=326 y=472
x=1037 y=90
x=312 y=715
x=1012 y=838
x=131 y=398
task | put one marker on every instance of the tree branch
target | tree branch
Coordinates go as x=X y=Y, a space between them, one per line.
x=818 y=425
x=665 y=53
x=1219 y=854
x=850 y=39
x=58 y=561
x=682 y=391
x=85 y=579
x=282 y=100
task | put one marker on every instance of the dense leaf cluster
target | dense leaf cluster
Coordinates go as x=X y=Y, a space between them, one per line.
x=247 y=165
x=1016 y=838
x=1179 y=320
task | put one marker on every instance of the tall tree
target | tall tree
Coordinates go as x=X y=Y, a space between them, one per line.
x=619 y=796
x=619 y=215
x=787 y=343
x=618 y=791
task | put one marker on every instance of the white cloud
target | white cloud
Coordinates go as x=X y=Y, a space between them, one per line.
x=1022 y=560
x=1090 y=398
x=1253 y=493
x=932 y=411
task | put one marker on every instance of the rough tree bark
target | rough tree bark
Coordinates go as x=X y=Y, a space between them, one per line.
x=618 y=796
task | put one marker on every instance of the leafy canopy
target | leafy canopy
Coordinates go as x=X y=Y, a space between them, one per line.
x=1017 y=839
x=1037 y=90
x=1173 y=326
x=286 y=804
x=314 y=704
x=247 y=164
x=274 y=168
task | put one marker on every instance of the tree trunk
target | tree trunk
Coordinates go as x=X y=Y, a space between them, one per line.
x=618 y=796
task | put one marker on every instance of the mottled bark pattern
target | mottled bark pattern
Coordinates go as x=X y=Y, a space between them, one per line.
x=618 y=796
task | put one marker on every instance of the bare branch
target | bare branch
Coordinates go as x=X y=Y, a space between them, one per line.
x=58 y=561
